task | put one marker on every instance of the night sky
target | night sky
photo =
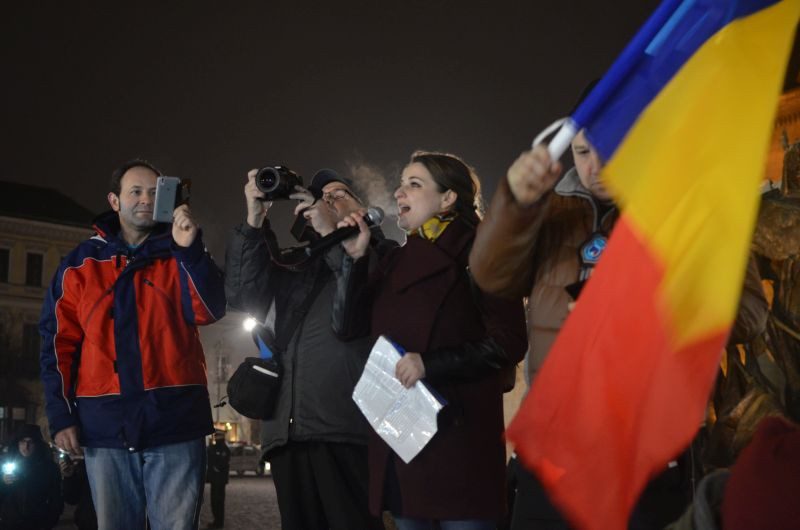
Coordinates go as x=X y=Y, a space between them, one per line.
x=208 y=90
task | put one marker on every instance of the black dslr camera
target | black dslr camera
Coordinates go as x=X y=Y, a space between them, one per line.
x=277 y=182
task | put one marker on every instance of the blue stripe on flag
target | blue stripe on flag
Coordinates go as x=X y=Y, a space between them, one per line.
x=673 y=33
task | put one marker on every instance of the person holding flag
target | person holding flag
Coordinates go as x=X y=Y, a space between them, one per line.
x=682 y=123
x=543 y=234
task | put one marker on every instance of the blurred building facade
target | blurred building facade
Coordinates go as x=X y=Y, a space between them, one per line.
x=226 y=344
x=38 y=227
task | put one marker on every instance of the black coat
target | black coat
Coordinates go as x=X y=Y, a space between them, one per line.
x=33 y=501
x=319 y=370
x=219 y=463
x=77 y=491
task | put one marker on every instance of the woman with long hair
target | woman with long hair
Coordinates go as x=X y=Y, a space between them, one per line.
x=459 y=340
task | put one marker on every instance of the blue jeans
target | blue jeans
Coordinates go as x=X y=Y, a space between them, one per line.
x=163 y=484
x=427 y=524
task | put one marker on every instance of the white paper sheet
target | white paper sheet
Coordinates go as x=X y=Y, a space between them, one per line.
x=404 y=417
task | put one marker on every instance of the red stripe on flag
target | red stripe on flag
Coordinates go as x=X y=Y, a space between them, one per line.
x=614 y=398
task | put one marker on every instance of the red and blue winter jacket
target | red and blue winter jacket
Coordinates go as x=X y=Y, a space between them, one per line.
x=121 y=355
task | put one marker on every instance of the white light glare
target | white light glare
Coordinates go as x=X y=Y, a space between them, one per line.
x=249 y=323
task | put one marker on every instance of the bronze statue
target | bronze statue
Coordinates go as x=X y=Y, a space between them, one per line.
x=777 y=243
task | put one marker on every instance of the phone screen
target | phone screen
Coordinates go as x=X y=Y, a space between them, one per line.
x=166 y=192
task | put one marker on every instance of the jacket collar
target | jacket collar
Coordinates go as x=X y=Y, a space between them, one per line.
x=419 y=259
x=570 y=185
x=107 y=228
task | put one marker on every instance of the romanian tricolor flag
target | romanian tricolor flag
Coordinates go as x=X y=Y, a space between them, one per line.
x=683 y=121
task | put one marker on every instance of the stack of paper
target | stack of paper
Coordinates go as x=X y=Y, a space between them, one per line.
x=404 y=417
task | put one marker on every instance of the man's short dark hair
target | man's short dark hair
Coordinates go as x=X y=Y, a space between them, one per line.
x=116 y=176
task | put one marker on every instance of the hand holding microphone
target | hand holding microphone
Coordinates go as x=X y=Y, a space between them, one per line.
x=357 y=223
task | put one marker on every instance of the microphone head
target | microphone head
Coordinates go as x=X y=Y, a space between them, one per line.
x=374 y=215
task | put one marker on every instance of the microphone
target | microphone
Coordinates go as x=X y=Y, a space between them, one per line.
x=373 y=217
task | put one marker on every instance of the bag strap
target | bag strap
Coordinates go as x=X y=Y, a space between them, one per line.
x=282 y=342
x=263 y=350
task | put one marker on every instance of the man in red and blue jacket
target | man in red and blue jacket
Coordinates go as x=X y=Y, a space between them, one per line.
x=122 y=364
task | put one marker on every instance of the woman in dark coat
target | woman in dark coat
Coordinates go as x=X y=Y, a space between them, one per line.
x=458 y=339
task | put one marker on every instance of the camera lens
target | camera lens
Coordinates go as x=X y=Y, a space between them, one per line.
x=277 y=182
x=267 y=179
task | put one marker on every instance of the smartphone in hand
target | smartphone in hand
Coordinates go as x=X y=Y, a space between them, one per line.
x=170 y=193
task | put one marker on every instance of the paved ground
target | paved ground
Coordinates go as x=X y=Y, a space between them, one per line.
x=250 y=503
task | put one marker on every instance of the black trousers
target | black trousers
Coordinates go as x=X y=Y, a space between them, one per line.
x=532 y=509
x=218 y=501
x=663 y=501
x=322 y=485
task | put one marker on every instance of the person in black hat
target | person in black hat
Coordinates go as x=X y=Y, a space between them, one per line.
x=30 y=489
x=541 y=238
x=316 y=440
x=219 y=459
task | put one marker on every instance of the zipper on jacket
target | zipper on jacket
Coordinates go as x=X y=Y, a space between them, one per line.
x=161 y=292
x=94 y=306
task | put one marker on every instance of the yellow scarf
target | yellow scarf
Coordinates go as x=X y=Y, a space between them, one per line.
x=434 y=227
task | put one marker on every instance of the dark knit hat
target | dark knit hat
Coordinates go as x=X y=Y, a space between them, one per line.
x=763 y=487
x=324 y=177
x=28 y=430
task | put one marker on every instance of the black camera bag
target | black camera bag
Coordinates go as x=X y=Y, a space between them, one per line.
x=254 y=387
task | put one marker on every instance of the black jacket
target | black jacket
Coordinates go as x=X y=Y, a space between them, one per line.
x=219 y=463
x=77 y=491
x=33 y=501
x=319 y=370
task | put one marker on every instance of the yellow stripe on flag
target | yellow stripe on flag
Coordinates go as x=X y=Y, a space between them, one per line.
x=689 y=181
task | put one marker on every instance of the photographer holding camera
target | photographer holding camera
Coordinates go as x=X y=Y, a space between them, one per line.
x=30 y=489
x=316 y=439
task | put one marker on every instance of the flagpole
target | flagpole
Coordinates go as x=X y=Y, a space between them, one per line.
x=567 y=129
x=562 y=139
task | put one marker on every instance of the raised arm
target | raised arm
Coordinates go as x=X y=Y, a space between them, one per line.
x=202 y=284
x=351 y=264
x=501 y=260
x=248 y=259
